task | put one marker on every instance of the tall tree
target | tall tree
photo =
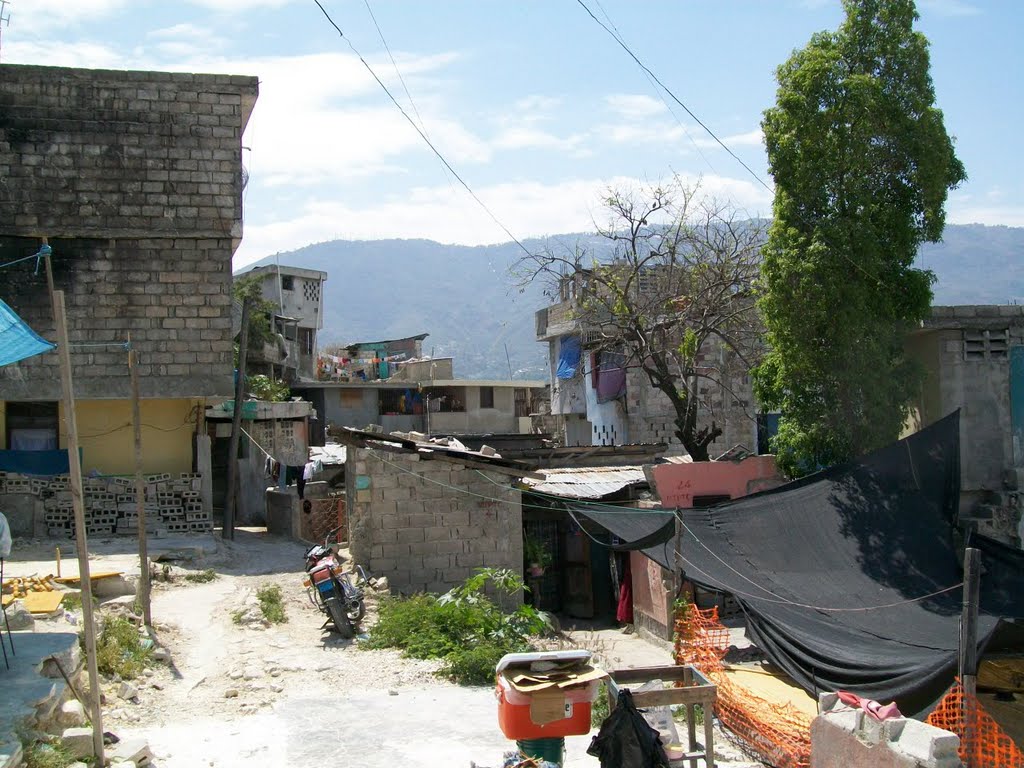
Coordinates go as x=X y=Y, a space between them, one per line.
x=670 y=293
x=862 y=165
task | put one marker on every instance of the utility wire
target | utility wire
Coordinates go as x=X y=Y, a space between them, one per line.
x=775 y=598
x=675 y=98
x=711 y=133
x=422 y=135
x=618 y=36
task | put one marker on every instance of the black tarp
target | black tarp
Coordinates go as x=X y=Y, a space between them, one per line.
x=645 y=529
x=830 y=570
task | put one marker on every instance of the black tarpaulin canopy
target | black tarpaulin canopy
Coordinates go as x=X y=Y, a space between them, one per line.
x=645 y=529
x=849 y=578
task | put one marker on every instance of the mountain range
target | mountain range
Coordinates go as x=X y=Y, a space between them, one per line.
x=472 y=303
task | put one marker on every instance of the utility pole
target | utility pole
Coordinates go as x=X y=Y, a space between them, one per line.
x=228 y=531
x=140 y=487
x=78 y=502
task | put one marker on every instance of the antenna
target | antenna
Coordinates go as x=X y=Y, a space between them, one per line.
x=5 y=18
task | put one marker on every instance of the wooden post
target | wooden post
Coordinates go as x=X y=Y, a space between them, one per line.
x=228 y=531
x=969 y=622
x=49 y=283
x=140 y=487
x=77 y=500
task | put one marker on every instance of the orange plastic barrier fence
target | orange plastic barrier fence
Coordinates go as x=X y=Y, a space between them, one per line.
x=983 y=744
x=778 y=734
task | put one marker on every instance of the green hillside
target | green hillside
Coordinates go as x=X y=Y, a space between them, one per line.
x=469 y=302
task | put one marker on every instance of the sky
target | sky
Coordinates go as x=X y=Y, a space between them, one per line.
x=531 y=102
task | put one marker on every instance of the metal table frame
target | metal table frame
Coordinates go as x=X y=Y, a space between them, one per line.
x=695 y=689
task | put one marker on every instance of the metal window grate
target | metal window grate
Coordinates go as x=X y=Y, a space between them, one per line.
x=986 y=344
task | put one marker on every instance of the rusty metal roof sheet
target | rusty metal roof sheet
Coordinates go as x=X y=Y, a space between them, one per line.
x=586 y=482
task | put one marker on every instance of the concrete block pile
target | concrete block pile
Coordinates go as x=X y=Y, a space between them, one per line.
x=172 y=504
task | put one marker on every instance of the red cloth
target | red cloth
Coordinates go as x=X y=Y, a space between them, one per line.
x=624 y=612
x=873 y=708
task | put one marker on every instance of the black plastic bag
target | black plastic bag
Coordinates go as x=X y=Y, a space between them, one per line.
x=627 y=740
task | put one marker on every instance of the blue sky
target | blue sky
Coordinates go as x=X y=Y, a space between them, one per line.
x=534 y=105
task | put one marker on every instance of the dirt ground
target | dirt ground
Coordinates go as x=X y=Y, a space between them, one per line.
x=287 y=694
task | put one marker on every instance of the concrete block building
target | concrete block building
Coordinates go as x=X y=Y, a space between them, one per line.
x=587 y=414
x=298 y=296
x=426 y=516
x=135 y=179
x=973 y=357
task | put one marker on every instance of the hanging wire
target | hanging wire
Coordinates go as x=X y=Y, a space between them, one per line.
x=775 y=597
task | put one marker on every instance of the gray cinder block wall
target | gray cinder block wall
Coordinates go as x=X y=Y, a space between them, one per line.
x=136 y=179
x=845 y=737
x=428 y=525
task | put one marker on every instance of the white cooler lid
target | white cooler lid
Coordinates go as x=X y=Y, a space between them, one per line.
x=526 y=659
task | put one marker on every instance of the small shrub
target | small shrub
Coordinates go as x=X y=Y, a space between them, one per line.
x=464 y=627
x=46 y=754
x=238 y=616
x=119 y=649
x=201 y=577
x=271 y=603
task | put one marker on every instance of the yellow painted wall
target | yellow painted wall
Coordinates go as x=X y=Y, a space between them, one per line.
x=107 y=438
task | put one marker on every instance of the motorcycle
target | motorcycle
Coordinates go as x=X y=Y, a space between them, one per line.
x=332 y=590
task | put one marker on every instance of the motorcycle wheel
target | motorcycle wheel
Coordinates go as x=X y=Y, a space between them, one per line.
x=355 y=614
x=339 y=617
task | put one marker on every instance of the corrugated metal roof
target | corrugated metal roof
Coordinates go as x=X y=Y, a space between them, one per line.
x=586 y=482
x=332 y=453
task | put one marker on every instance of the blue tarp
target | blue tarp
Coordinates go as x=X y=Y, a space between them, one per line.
x=568 y=357
x=17 y=340
x=40 y=463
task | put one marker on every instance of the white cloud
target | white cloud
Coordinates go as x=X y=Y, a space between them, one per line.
x=635 y=106
x=749 y=139
x=232 y=6
x=34 y=17
x=966 y=213
x=448 y=215
x=75 y=54
x=525 y=137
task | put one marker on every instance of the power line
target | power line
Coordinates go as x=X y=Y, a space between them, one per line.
x=675 y=98
x=422 y=135
x=661 y=95
x=775 y=598
x=711 y=133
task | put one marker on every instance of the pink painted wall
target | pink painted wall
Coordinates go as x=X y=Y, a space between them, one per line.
x=677 y=485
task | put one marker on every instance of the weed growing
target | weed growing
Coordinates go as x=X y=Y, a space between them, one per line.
x=201 y=577
x=599 y=710
x=46 y=754
x=119 y=649
x=271 y=603
x=463 y=627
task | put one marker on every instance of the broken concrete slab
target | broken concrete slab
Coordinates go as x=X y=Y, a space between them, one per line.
x=78 y=741
x=135 y=751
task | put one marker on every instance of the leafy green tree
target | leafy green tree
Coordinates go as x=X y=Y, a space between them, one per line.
x=862 y=166
x=261 y=310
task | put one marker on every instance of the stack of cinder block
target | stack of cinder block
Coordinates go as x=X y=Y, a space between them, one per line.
x=172 y=505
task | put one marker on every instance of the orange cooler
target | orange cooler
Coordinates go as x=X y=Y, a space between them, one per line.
x=549 y=713
x=517 y=711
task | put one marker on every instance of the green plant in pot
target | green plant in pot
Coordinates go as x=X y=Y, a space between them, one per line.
x=537 y=556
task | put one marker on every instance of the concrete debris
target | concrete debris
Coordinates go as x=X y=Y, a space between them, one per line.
x=72 y=714
x=78 y=741
x=18 y=617
x=134 y=751
x=128 y=692
x=231 y=693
